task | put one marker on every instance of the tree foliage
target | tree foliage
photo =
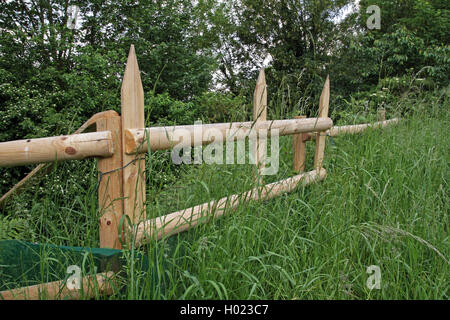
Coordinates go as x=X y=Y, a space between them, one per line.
x=413 y=40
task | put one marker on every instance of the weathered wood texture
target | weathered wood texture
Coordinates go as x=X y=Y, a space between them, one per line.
x=132 y=97
x=162 y=138
x=186 y=219
x=101 y=283
x=110 y=189
x=72 y=147
x=299 y=148
x=324 y=104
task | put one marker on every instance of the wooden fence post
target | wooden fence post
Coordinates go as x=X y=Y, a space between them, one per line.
x=299 y=146
x=324 y=104
x=110 y=192
x=259 y=114
x=132 y=97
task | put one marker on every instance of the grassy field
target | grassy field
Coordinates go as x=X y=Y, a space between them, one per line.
x=384 y=202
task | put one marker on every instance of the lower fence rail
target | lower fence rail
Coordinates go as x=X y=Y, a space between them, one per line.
x=98 y=284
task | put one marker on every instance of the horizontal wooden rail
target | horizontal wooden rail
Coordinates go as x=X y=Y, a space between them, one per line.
x=356 y=128
x=162 y=138
x=185 y=219
x=334 y=131
x=71 y=147
x=102 y=284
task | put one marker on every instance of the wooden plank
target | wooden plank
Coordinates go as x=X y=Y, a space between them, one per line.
x=324 y=104
x=162 y=138
x=259 y=114
x=299 y=146
x=132 y=97
x=101 y=283
x=110 y=192
x=72 y=147
x=188 y=218
x=40 y=168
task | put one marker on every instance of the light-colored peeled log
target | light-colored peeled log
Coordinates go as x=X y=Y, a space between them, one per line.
x=186 y=219
x=324 y=104
x=335 y=131
x=259 y=115
x=163 y=138
x=132 y=98
x=102 y=284
x=72 y=147
x=299 y=147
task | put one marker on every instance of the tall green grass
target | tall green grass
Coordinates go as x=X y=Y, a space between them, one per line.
x=384 y=202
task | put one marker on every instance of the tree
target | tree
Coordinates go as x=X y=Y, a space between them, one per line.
x=413 y=38
x=298 y=37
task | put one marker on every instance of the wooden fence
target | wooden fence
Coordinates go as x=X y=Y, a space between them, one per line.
x=120 y=139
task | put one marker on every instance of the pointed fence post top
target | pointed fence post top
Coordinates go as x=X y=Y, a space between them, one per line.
x=132 y=67
x=260 y=97
x=324 y=102
x=260 y=83
x=131 y=70
x=261 y=77
x=132 y=94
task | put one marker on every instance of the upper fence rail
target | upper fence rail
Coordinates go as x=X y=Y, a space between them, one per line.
x=99 y=144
